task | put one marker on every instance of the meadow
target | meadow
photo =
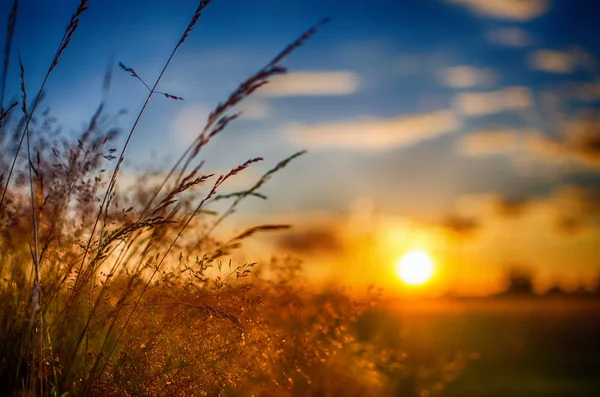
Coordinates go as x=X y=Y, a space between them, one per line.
x=516 y=347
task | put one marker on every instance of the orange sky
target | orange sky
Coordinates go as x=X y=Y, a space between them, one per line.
x=471 y=249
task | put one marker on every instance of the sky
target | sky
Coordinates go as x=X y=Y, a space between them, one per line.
x=464 y=128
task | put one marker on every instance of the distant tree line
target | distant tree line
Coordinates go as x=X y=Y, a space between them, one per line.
x=519 y=283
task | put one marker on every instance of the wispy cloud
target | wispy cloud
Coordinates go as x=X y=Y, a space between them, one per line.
x=515 y=10
x=254 y=109
x=587 y=92
x=511 y=207
x=189 y=122
x=576 y=209
x=313 y=239
x=460 y=225
x=510 y=37
x=374 y=134
x=311 y=84
x=466 y=77
x=578 y=143
x=569 y=210
x=490 y=142
x=484 y=103
x=552 y=61
x=562 y=62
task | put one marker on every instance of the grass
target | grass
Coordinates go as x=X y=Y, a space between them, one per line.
x=109 y=294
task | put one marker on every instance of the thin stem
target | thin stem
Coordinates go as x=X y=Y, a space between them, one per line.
x=36 y=261
x=62 y=46
x=125 y=146
x=10 y=32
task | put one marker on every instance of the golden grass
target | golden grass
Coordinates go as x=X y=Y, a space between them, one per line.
x=105 y=294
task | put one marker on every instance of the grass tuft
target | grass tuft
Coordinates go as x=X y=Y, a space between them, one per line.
x=106 y=292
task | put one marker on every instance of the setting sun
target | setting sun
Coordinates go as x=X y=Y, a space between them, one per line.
x=415 y=268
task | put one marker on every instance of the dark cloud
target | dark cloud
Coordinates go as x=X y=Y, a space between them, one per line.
x=313 y=240
x=577 y=208
x=574 y=207
x=586 y=141
x=569 y=224
x=577 y=142
x=461 y=225
x=512 y=207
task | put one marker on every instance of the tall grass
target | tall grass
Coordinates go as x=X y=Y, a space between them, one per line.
x=104 y=293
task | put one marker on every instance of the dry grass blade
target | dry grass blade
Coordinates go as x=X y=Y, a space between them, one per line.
x=201 y=6
x=4 y=113
x=139 y=321
x=23 y=89
x=10 y=32
x=69 y=32
x=239 y=196
x=177 y=98
x=111 y=185
x=35 y=253
x=184 y=226
x=133 y=73
x=218 y=120
x=236 y=242
x=262 y=228
x=113 y=179
x=121 y=315
x=305 y=36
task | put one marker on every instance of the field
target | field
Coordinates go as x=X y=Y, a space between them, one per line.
x=515 y=347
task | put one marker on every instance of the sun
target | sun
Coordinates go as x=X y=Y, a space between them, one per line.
x=415 y=268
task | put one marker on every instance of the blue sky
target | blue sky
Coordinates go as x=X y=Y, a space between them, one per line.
x=415 y=105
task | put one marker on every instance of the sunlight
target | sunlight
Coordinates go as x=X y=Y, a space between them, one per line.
x=415 y=268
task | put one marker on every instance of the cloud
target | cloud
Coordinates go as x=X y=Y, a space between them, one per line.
x=254 y=109
x=511 y=207
x=576 y=209
x=466 y=76
x=461 y=225
x=587 y=92
x=189 y=122
x=582 y=139
x=490 y=142
x=552 y=61
x=485 y=103
x=374 y=134
x=584 y=59
x=563 y=62
x=139 y=182
x=514 y=10
x=311 y=84
x=510 y=37
x=567 y=210
x=578 y=143
x=311 y=240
